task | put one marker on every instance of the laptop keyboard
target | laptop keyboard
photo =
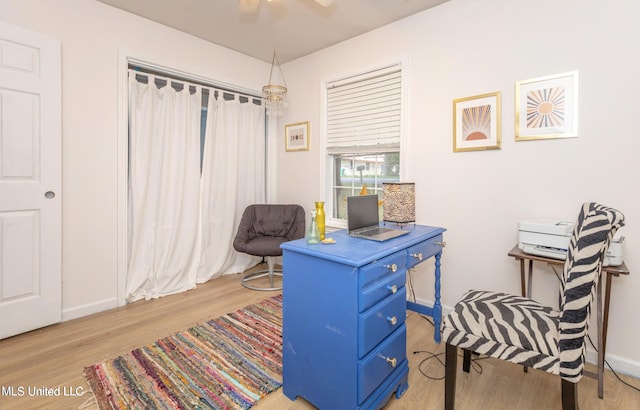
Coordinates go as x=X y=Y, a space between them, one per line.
x=375 y=231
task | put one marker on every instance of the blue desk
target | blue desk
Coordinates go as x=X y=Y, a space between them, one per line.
x=344 y=307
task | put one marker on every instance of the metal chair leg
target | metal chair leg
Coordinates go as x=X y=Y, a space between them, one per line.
x=271 y=273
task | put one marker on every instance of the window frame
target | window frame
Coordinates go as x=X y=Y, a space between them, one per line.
x=327 y=166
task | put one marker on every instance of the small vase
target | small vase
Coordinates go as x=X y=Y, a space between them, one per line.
x=313 y=234
x=320 y=218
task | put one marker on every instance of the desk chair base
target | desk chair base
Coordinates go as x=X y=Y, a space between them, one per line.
x=269 y=273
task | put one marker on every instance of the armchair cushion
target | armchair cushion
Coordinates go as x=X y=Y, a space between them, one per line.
x=264 y=227
x=508 y=327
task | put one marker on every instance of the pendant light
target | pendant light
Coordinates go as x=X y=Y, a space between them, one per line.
x=275 y=95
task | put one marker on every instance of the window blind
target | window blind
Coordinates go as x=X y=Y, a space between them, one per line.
x=364 y=111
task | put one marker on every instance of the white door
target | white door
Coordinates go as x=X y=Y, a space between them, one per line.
x=30 y=197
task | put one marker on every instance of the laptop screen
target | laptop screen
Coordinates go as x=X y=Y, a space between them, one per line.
x=362 y=211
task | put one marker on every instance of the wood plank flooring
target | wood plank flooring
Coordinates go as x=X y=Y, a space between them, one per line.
x=55 y=356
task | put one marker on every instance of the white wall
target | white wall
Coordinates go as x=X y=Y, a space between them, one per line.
x=470 y=47
x=93 y=36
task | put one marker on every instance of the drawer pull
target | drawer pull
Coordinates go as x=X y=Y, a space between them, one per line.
x=418 y=256
x=393 y=320
x=443 y=243
x=392 y=288
x=393 y=267
x=392 y=362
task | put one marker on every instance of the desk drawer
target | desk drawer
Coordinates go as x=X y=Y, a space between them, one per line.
x=381 y=362
x=378 y=322
x=379 y=270
x=386 y=286
x=423 y=251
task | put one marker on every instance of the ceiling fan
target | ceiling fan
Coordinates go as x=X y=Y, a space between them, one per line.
x=251 y=6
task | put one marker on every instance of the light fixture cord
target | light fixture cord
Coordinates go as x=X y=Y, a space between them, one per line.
x=273 y=61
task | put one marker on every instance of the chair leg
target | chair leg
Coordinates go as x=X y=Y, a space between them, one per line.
x=270 y=263
x=569 y=395
x=450 y=369
x=466 y=360
x=269 y=273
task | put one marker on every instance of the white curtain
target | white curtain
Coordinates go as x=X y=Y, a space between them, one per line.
x=182 y=223
x=164 y=183
x=233 y=177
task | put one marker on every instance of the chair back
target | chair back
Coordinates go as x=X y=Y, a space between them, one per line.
x=263 y=227
x=589 y=242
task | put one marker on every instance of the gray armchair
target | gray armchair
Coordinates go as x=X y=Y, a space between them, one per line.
x=263 y=228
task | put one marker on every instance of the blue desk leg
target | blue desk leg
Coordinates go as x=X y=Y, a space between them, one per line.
x=437 y=307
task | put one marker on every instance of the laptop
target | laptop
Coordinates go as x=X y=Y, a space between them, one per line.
x=363 y=219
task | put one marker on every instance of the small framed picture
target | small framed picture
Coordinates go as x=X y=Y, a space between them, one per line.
x=547 y=107
x=296 y=136
x=477 y=122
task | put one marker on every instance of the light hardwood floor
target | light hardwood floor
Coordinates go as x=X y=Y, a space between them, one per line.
x=55 y=357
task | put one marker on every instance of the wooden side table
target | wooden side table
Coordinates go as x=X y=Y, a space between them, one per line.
x=603 y=316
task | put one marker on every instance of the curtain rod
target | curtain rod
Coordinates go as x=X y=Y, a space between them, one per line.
x=145 y=68
x=189 y=84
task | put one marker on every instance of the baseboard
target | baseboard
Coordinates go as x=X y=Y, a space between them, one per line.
x=89 y=309
x=619 y=364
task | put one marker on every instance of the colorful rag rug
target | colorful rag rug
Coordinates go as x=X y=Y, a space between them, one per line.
x=228 y=363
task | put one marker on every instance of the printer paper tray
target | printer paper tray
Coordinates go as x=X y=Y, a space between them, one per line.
x=553 y=253
x=610 y=259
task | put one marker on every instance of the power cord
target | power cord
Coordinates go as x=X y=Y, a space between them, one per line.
x=611 y=368
x=437 y=356
x=412 y=293
x=431 y=356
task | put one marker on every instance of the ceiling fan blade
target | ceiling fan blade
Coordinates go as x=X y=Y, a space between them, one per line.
x=324 y=3
x=249 y=6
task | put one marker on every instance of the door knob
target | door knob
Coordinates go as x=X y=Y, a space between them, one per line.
x=49 y=194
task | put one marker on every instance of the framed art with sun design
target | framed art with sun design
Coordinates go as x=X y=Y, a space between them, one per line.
x=547 y=107
x=477 y=122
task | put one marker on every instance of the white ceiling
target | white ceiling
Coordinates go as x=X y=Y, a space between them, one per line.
x=294 y=28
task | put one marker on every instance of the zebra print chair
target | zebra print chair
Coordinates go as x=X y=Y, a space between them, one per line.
x=521 y=330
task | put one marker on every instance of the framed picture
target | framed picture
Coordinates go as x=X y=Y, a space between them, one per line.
x=547 y=107
x=477 y=122
x=296 y=136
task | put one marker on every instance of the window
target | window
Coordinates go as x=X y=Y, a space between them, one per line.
x=363 y=123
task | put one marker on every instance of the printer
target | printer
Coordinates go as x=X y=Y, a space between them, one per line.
x=550 y=238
